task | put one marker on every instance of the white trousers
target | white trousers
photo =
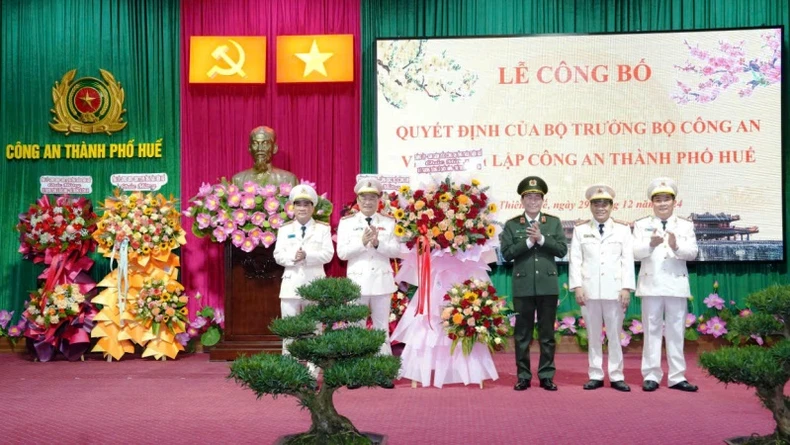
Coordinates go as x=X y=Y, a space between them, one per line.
x=380 y=315
x=599 y=313
x=667 y=314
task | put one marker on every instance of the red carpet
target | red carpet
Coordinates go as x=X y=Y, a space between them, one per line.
x=188 y=401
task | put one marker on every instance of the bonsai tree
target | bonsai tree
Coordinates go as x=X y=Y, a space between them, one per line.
x=321 y=335
x=767 y=369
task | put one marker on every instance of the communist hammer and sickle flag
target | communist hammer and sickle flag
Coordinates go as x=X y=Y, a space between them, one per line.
x=227 y=59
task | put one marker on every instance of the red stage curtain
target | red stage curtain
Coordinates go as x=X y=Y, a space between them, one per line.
x=317 y=125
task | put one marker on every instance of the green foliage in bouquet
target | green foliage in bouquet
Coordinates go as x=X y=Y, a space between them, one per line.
x=347 y=354
x=767 y=369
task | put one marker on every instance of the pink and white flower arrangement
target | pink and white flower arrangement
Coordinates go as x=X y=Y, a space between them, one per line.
x=248 y=216
x=715 y=327
x=46 y=309
x=208 y=325
x=9 y=331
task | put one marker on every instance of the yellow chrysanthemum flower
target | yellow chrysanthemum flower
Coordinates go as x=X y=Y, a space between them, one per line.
x=445 y=197
x=145 y=250
x=492 y=207
x=399 y=230
x=469 y=295
x=490 y=230
x=404 y=189
x=398 y=214
x=475 y=182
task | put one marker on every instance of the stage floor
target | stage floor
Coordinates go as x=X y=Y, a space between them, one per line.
x=189 y=401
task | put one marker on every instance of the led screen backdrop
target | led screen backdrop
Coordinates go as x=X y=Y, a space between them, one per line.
x=703 y=108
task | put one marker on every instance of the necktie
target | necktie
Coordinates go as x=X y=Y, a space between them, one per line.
x=663 y=225
x=531 y=222
x=304 y=228
x=600 y=229
x=369 y=219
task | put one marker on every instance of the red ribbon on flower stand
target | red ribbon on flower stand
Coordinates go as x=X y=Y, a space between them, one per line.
x=424 y=274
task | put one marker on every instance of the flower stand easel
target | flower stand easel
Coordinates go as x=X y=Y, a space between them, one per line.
x=59 y=314
x=447 y=225
x=143 y=303
x=429 y=356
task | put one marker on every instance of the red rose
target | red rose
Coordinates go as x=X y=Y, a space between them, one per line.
x=477 y=315
x=486 y=310
x=497 y=321
x=452 y=336
x=487 y=324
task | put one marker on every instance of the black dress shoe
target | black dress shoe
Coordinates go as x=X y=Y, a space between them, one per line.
x=649 y=386
x=388 y=385
x=548 y=385
x=522 y=385
x=354 y=386
x=684 y=386
x=593 y=384
x=621 y=386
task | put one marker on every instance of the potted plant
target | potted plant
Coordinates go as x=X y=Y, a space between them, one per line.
x=767 y=369
x=347 y=354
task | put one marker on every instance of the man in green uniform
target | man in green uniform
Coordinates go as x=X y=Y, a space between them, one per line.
x=532 y=240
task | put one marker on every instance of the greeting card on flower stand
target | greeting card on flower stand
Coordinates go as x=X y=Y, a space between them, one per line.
x=447 y=227
x=59 y=315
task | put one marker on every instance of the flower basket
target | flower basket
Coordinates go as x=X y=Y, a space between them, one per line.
x=248 y=216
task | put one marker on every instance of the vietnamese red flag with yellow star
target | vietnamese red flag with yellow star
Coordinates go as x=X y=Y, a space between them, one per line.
x=315 y=58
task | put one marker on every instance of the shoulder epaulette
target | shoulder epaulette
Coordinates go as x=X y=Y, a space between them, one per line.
x=644 y=217
x=684 y=219
x=322 y=223
x=549 y=216
x=516 y=217
x=349 y=216
x=386 y=216
x=619 y=221
x=582 y=222
x=289 y=222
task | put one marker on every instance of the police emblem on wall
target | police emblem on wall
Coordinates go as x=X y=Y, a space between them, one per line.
x=88 y=105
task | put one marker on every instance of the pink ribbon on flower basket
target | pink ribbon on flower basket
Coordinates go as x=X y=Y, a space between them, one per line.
x=424 y=276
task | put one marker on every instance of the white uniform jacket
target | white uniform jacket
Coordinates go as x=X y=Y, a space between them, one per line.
x=317 y=245
x=602 y=266
x=368 y=266
x=663 y=272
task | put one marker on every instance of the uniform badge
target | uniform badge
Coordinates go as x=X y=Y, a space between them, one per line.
x=291 y=235
x=543 y=219
x=88 y=105
x=522 y=220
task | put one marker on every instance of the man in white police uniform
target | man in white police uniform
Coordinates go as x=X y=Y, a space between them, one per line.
x=303 y=246
x=367 y=241
x=664 y=242
x=601 y=273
